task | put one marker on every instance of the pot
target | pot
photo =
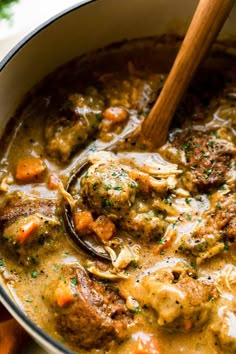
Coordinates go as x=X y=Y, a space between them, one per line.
x=78 y=30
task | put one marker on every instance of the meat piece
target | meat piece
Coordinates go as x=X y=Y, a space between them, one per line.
x=29 y=226
x=207 y=158
x=224 y=330
x=217 y=227
x=94 y=315
x=180 y=301
x=76 y=123
x=225 y=217
x=107 y=189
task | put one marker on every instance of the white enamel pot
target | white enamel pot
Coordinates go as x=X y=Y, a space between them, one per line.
x=78 y=30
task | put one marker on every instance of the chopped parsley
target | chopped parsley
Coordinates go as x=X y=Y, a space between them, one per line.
x=118 y=188
x=74 y=281
x=109 y=203
x=34 y=274
x=226 y=247
x=211 y=143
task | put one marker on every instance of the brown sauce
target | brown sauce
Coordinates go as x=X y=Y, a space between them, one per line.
x=169 y=213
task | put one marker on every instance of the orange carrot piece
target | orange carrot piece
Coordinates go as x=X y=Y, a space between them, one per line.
x=27 y=229
x=63 y=294
x=188 y=324
x=145 y=344
x=103 y=228
x=116 y=114
x=30 y=170
x=53 y=182
x=82 y=220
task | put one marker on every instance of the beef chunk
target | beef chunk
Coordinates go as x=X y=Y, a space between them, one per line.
x=180 y=301
x=77 y=122
x=207 y=158
x=87 y=312
x=107 y=189
x=224 y=217
x=224 y=329
x=19 y=204
x=29 y=226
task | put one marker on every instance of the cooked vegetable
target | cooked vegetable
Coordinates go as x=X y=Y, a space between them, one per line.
x=30 y=170
x=145 y=344
x=164 y=219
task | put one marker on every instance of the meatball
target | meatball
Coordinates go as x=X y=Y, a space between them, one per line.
x=87 y=313
x=76 y=123
x=180 y=301
x=207 y=158
x=145 y=225
x=107 y=189
x=29 y=226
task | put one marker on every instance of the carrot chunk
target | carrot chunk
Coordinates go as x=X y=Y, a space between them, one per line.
x=63 y=294
x=82 y=220
x=27 y=229
x=145 y=344
x=116 y=114
x=103 y=228
x=30 y=170
x=188 y=324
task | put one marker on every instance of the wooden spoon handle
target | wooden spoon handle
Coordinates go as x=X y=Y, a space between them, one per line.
x=206 y=24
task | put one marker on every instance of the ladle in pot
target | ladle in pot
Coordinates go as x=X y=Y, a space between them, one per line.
x=208 y=19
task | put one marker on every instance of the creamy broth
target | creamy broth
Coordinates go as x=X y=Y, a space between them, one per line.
x=168 y=214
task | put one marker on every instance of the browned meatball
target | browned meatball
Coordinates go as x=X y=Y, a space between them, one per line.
x=145 y=225
x=87 y=312
x=107 y=189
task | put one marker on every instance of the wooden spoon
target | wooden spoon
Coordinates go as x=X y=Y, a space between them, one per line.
x=208 y=19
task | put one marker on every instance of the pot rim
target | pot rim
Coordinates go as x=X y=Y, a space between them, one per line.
x=36 y=332
x=16 y=48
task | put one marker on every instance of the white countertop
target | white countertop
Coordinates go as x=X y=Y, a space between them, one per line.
x=27 y=15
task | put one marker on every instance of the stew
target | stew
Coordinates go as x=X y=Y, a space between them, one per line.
x=166 y=217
